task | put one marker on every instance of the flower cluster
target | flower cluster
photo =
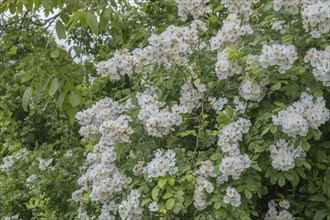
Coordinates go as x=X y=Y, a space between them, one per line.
x=279 y=55
x=153 y=207
x=167 y=47
x=12 y=217
x=104 y=110
x=321 y=64
x=224 y=68
x=164 y=49
x=240 y=106
x=107 y=210
x=9 y=161
x=240 y=7
x=291 y=6
x=45 y=164
x=117 y=130
x=130 y=208
x=251 y=90
x=157 y=122
x=190 y=98
x=162 y=164
x=202 y=184
x=232 y=197
x=230 y=32
x=121 y=64
x=232 y=133
x=196 y=8
x=301 y=115
x=283 y=155
x=233 y=166
x=278 y=26
x=217 y=104
x=206 y=169
x=273 y=214
x=316 y=17
x=103 y=176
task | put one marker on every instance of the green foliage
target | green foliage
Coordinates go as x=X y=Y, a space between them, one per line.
x=42 y=87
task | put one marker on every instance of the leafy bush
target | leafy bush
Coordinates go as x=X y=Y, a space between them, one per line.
x=220 y=111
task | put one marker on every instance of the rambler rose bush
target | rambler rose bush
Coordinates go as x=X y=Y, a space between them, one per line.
x=228 y=111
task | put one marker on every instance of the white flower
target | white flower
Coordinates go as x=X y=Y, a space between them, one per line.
x=230 y=32
x=240 y=7
x=162 y=164
x=315 y=15
x=232 y=197
x=279 y=55
x=321 y=64
x=196 y=8
x=283 y=155
x=301 y=115
x=153 y=207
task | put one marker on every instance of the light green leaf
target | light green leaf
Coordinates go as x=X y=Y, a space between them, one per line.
x=13 y=49
x=247 y=194
x=74 y=99
x=281 y=181
x=162 y=182
x=55 y=53
x=60 y=30
x=26 y=97
x=169 y=203
x=171 y=181
x=154 y=193
x=92 y=23
x=54 y=86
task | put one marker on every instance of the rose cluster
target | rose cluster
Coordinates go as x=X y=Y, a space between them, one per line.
x=225 y=68
x=163 y=163
x=273 y=214
x=230 y=32
x=302 y=115
x=316 y=17
x=283 y=155
x=240 y=7
x=320 y=61
x=279 y=55
x=194 y=7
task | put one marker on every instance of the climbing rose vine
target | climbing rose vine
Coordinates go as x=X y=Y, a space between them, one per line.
x=226 y=111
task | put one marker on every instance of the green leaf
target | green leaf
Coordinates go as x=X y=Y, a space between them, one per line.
x=92 y=23
x=213 y=19
x=26 y=97
x=154 y=193
x=218 y=8
x=281 y=181
x=60 y=30
x=277 y=86
x=316 y=134
x=317 y=198
x=13 y=49
x=162 y=182
x=167 y=195
x=247 y=194
x=74 y=99
x=256 y=167
x=217 y=205
x=54 y=86
x=188 y=201
x=305 y=145
x=55 y=53
x=169 y=203
x=320 y=214
x=171 y=181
